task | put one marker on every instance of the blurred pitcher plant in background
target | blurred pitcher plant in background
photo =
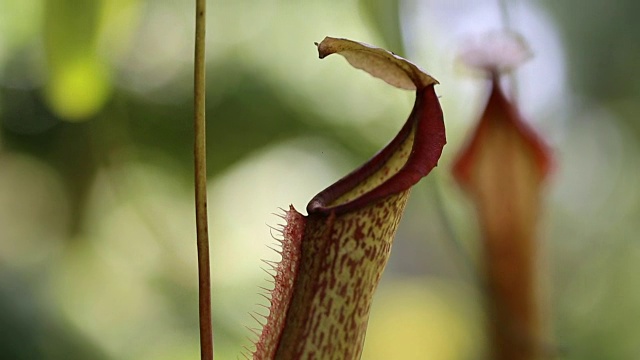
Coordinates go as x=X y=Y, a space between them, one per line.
x=502 y=169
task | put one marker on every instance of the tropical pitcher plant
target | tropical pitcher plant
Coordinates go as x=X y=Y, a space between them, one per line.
x=332 y=259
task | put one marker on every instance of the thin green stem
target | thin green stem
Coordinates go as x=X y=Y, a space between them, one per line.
x=200 y=172
x=470 y=264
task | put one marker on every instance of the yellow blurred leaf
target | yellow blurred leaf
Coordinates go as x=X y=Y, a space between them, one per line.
x=424 y=319
x=78 y=88
x=78 y=82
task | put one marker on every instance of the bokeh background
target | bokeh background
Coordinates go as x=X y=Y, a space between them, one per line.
x=97 y=240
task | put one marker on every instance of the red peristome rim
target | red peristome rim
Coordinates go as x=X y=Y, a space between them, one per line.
x=498 y=100
x=429 y=140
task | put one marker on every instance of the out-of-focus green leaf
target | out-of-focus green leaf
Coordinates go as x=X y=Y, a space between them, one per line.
x=28 y=331
x=78 y=81
x=14 y=30
x=384 y=15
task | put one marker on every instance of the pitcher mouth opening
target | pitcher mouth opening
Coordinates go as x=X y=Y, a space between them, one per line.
x=410 y=156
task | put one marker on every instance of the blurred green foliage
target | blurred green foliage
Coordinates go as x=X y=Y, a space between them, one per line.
x=97 y=247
